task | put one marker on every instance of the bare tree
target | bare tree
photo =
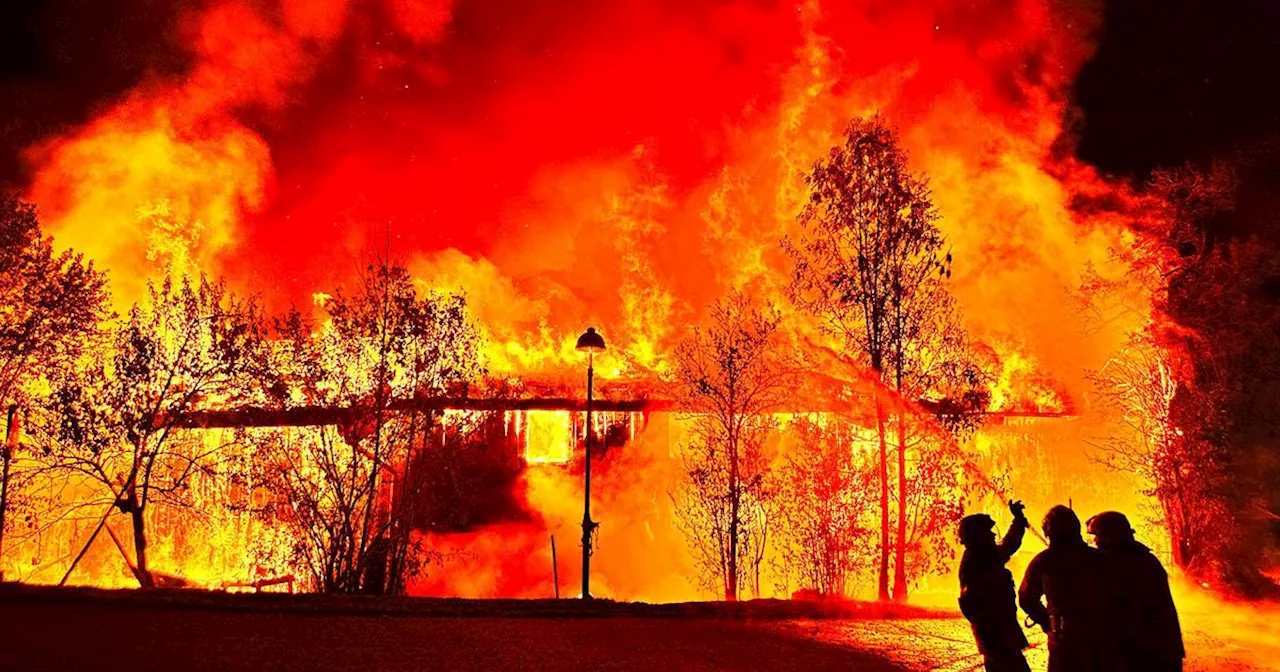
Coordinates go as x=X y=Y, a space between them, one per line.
x=350 y=492
x=1138 y=386
x=825 y=498
x=868 y=250
x=113 y=424
x=731 y=379
x=53 y=307
x=933 y=363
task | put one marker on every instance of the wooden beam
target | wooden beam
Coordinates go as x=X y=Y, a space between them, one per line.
x=305 y=416
x=315 y=416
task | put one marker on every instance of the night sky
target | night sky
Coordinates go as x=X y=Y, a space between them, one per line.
x=61 y=59
x=1171 y=81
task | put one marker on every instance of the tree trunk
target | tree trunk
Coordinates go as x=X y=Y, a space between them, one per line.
x=883 y=575
x=1174 y=524
x=139 y=539
x=6 y=453
x=735 y=503
x=900 y=548
x=1180 y=527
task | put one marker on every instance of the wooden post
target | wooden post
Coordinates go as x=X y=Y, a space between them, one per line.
x=6 y=452
x=555 y=567
x=125 y=554
x=87 y=544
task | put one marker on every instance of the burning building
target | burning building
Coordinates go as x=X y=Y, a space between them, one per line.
x=625 y=166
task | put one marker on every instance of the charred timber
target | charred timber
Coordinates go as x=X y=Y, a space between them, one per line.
x=311 y=416
x=305 y=416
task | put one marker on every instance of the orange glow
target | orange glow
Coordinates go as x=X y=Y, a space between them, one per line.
x=621 y=166
x=547 y=436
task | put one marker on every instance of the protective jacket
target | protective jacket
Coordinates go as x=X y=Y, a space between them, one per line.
x=1149 y=633
x=1069 y=576
x=987 y=597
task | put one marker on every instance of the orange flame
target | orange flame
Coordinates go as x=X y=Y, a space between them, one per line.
x=620 y=167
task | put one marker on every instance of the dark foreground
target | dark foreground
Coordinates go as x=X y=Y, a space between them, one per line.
x=100 y=630
x=76 y=629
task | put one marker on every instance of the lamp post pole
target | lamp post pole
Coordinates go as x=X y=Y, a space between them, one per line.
x=6 y=455
x=588 y=525
x=589 y=342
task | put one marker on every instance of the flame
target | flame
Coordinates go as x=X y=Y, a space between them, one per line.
x=1020 y=384
x=547 y=436
x=620 y=167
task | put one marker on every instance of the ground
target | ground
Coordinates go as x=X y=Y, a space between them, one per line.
x=50 y=629
x=946 y=645
x=165 y=630
x=203 y=640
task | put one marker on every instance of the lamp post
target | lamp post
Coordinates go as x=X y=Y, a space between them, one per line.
x=589 y=342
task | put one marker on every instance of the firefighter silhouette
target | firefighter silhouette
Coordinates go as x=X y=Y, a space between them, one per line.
x=987 y=597
x=1148 y=635
x=1069 y=577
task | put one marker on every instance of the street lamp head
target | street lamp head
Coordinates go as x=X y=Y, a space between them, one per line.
x=591 y=341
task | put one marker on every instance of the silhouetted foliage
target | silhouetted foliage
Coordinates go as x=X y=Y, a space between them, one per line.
x=869 y=264
x=1226 y=412
x=351 y=493
x=110 y=426
x=1194 y=392
x=826 y=501
x=730 y=377
x=53 y=305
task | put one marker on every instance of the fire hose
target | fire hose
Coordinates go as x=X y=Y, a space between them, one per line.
x=999 y=492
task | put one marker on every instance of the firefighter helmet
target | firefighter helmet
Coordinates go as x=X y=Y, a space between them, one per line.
x=975 y=527
x=1110 y=526
x=1061 y=522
